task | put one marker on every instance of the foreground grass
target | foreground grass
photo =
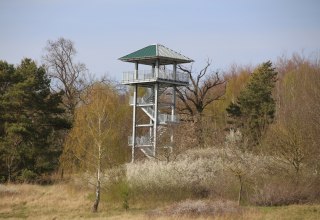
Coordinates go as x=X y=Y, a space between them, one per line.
x=62 y=201
x=290 y=212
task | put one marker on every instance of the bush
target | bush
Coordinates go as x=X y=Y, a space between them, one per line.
x=285 y=191
x=27 y=176
x=196 y=174
x=210 y=174
x=186 y=171
x=198 y=208
x=124 y=190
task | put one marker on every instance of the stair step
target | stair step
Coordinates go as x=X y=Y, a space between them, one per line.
x=144 y=125
x=148 y=152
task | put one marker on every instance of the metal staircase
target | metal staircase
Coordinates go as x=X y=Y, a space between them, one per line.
x=162 y=74
x=146 y=145
x=147 y=104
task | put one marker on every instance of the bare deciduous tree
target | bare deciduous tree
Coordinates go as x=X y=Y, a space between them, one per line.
x=66 y=74
x=294 y=138
x=242 y=164
x=206 y=87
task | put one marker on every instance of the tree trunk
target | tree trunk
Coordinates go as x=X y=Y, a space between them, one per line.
x=61 y=173
x=240 y=190
x=199 y=130
x=9 y=162
x=9 y=174
x=97 y=200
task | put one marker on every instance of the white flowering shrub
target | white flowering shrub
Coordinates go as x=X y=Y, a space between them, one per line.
x=193 y=168
x=230 y=173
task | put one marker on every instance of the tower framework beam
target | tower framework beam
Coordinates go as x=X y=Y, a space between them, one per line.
x=153 y=84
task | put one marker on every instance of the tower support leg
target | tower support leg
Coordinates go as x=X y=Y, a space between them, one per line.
x=134 y=115
x=173 y=111
x=155 y=123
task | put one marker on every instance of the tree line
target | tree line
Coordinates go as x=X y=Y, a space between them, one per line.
x=58 y=118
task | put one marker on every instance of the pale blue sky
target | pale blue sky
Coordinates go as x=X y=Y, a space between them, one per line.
x=226 y=31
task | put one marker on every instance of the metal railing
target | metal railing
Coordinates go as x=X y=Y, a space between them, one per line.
x=148 y=98
x=147 y=75
x=141 y=141
x=169 y=75
x=166 y=118
x=162 y=118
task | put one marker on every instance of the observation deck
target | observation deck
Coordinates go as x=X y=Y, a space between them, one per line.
x=147 y=76
x=147 y=89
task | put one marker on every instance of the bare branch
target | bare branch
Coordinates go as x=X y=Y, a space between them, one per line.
x=197 y=96
x=67 y=75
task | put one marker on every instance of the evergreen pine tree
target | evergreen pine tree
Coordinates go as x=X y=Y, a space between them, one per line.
x=255 y=107
x=30 y=117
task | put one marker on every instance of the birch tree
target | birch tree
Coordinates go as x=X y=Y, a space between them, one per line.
x=96 y=140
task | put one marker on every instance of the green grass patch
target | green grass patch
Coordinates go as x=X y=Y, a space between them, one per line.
x=291 y=212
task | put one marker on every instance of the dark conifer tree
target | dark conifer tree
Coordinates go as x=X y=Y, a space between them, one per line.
x=31 y=116
x=254 y=109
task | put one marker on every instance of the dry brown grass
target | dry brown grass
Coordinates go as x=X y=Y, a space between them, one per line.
x=62 y=201
x=59 y=201
x=198 y=209
x=42 y=202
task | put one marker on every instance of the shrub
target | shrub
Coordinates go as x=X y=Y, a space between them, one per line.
x=124 y=191
x=196 y=174
x=279 y=191
x=27 y=176
x=211 y=174
x=186 y=171
x=198 y=208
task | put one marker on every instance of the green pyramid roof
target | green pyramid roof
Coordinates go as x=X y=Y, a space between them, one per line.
x=148 y=55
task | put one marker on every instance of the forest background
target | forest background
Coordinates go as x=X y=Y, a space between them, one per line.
x=249 y=134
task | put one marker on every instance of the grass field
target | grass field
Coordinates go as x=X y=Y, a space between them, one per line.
x=62 y=201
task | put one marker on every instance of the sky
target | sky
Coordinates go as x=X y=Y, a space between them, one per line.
x=242 y=32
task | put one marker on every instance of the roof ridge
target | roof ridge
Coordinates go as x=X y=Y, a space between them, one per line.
x=156 y=51
x=175 y=51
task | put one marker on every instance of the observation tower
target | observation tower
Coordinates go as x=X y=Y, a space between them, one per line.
x=154 y=95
